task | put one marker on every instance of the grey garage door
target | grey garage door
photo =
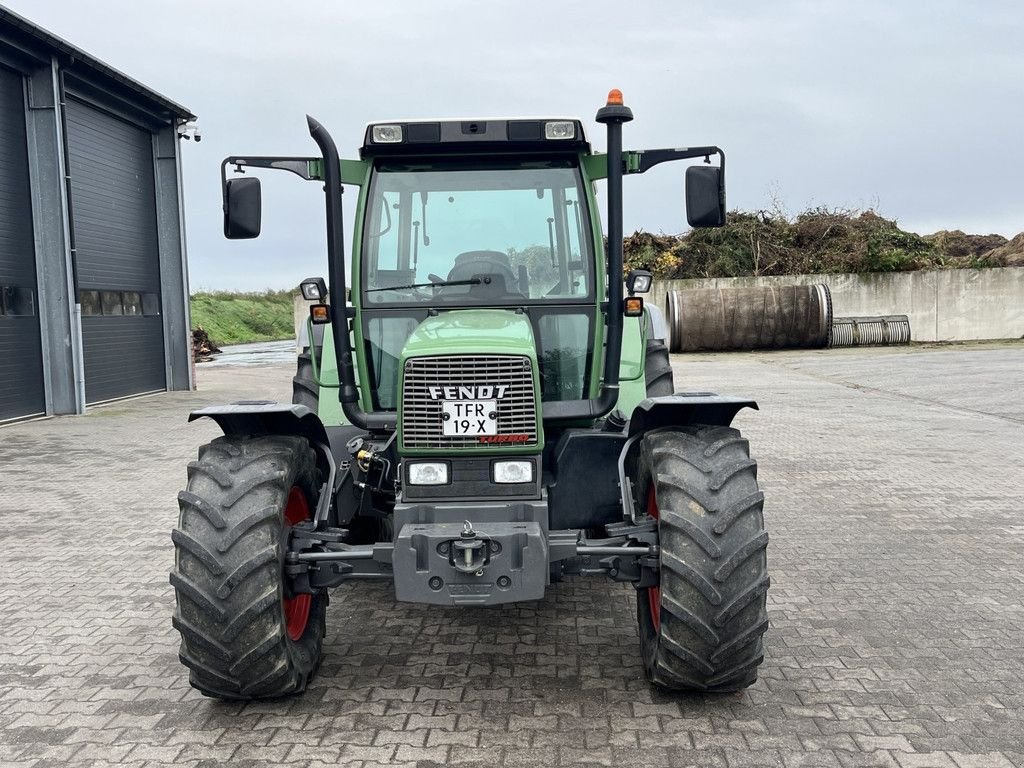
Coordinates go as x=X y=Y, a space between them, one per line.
x=117 y=267
x=21 y=360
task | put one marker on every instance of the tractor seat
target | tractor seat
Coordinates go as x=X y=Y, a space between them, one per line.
x=492 y=263
x=495 y=256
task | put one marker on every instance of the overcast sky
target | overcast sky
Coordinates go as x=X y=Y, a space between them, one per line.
x=914 y=108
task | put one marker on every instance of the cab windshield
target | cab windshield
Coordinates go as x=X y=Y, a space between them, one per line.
x=500 y=233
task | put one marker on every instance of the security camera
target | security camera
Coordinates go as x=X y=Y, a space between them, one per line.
x=188 y=130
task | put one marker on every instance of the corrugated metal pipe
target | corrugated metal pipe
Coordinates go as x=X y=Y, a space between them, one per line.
x=869 y=331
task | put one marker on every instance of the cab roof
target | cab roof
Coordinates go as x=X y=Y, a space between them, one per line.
x=504 y=135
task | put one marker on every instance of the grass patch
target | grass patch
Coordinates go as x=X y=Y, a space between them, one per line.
x=241 y=318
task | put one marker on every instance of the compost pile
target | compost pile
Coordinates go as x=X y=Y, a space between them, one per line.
x=1010 y=253
x=820 y=240
x=203 y=349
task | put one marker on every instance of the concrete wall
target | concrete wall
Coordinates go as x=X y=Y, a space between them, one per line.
x=943 y=305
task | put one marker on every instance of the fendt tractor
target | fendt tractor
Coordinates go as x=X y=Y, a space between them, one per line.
x=488 y=408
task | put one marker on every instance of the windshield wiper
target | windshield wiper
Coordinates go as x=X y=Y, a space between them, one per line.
x=439 y=284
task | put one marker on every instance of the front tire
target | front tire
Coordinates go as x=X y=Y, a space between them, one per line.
x=242 y=635
x=701 y=627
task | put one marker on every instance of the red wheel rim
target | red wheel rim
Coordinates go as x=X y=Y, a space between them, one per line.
x=296 y=609
x=654 y=593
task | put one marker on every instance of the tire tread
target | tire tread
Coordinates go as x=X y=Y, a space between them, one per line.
x=227 y=576
x=657 y=369
x=714 y=578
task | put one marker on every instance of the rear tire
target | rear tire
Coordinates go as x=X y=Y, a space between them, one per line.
x=242 y=636
x=305 y=390
x=658 y=369
x=701 y=627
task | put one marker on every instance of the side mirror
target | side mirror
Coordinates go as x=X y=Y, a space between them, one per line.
x=242 y=204
x=705 y=196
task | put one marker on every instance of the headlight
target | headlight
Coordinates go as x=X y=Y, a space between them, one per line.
x=513 y=471
x=560 y=129
x=428 y=473
x=639 y=281
x=387 y=134
x=313 y=289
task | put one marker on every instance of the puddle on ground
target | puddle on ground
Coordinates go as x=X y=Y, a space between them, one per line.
x=259 y=353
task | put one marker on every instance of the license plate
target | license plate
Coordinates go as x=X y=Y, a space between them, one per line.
x=469 y=417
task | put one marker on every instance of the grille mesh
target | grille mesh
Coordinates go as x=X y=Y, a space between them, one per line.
x=421 y=414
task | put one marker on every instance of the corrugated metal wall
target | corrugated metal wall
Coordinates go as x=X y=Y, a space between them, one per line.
x=113 y=203
x=21 y=362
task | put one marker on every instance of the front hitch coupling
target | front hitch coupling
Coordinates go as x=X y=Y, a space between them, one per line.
x=469 y=553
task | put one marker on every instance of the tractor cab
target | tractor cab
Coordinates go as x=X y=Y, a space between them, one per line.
x=468 y=214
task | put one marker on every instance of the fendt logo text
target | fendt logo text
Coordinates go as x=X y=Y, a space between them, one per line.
x=478 y=392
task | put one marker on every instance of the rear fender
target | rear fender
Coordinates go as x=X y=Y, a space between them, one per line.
x=654 y=322
x=678 y=410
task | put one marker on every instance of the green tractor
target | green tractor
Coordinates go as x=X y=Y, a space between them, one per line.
x=488 y=408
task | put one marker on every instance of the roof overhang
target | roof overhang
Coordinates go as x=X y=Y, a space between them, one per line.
x=29 y=43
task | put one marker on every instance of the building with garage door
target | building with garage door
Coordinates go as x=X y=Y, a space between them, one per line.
x=93 y=280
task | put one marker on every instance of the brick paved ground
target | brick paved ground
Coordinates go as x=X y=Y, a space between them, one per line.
x=894 y=488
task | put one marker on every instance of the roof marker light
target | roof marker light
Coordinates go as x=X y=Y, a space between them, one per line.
x=387 y=134
x=560 y=129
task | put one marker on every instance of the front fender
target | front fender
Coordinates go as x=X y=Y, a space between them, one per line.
x=685 y=408
x=262 y=417
x=678 y=410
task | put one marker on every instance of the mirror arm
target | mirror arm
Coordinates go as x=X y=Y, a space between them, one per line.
x=644 y=159
x=297 y=165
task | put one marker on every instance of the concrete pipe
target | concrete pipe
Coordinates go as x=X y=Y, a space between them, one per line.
x=869 y=331
x=766 y=317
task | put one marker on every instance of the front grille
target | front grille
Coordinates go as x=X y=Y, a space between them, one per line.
x=421 y=414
